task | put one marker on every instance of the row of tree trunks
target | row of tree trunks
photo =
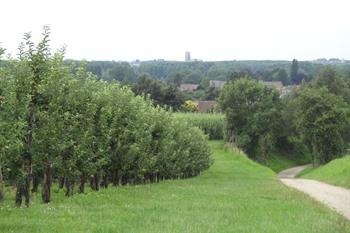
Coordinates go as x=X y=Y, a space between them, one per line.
x=95 y=182
x=24 y=187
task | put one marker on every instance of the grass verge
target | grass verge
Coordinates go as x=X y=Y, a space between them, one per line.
x=281 y=161
x=336 y=172
x=234 y=195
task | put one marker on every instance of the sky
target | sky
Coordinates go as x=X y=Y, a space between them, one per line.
x=165 y=29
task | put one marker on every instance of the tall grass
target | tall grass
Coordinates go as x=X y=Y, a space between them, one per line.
x=211 y=124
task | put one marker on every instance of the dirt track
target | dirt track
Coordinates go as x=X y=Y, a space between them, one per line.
x=334 y=197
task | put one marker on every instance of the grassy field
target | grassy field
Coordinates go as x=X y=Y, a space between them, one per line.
x=212 y=124
x=336 y=172
x=278 y=162
x=234 y=195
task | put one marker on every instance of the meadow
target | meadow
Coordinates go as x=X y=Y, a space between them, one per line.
x=234 y=195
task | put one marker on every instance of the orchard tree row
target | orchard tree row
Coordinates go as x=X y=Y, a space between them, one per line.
x=61 y=125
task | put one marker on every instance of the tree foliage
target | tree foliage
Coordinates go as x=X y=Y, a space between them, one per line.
x=335 y=83
x=165 y=95
x=321 y=120
x=252 y=116
x=59 y=124
x=294 y=71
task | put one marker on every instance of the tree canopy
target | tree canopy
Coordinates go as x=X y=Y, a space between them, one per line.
x=321 y=119
x=252 y=115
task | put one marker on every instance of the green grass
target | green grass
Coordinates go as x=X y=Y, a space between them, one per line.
x=234 y=195
x=336 y=172
x=305 y=171
x=281 y=161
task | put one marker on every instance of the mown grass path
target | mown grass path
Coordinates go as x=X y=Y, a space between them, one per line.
x=234 y=195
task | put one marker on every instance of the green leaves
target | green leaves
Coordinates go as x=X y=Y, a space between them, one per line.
x=321 y=119
x=63 y=123
x=252 y=116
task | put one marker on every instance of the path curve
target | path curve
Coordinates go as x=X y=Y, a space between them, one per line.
x=334 y=197
x=292 y=172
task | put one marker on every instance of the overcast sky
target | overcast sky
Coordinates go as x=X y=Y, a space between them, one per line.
x=165 y=29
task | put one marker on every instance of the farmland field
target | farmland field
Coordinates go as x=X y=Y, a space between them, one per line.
x=211 y=124
x=234 y=195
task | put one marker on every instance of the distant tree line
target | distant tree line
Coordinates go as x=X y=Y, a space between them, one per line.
x=170 y=74
x=197 y=72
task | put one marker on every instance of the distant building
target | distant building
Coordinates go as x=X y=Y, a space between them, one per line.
x=278 y=85
x=187 y=56
x=188 y=87
x=286 y=90
x=334 y=60
x=329 y=61
x=283 y=90
x=217 y=83
x=196 y=60
x=206 y=106
x=321 y=60
x=135 y=63
x=189 y=59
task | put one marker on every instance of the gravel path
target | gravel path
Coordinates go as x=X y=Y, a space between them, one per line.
x=292 y=172
x=334 y=197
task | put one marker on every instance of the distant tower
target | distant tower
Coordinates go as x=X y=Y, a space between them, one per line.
x=187 y=56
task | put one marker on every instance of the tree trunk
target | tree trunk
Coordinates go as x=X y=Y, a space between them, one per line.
x=91 y=179
x=27 y=157
x=36 y=182
x=69 y=187
x=105 y=181
x=27 y=190
x=114 y=178
x=119 y=178
x=23 y=188
x=19 y=193
x=82 y=184
x=96 y=182
x=46 y=196
x=1 y=185
x=61 y=182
